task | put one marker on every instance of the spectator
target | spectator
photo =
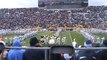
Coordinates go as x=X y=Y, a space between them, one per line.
x=91 y=16
x=1 y=50
x=102 y=55
x=67 y=56
x=86 y=54
x=16 y=54
x=32 y=54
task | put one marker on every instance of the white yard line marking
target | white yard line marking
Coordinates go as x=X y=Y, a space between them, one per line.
x=70 y=36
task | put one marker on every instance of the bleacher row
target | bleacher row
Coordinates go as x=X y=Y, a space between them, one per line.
x=89 y=51
x=48 y=51
x=30 y=17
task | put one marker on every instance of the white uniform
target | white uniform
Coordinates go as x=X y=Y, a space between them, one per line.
x=63 y=40
x=6 y=40
x=74 y=43
x=58 y=40
x=11 y=40
x=51 y=41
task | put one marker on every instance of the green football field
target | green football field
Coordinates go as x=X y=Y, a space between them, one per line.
x=70 y=35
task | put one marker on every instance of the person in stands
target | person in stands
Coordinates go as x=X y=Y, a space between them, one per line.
x=34 y=54
x=2 y=44
x=86 y=54
x=102 y=55
x=16 y=54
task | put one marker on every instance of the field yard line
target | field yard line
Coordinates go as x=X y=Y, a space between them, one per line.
x=70 y=36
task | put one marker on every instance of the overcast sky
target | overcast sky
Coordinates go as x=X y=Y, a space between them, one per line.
x=34 y=3
x=97 y=2
x=18 y=3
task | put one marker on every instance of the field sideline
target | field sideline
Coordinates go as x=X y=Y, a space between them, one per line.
x=70 y=35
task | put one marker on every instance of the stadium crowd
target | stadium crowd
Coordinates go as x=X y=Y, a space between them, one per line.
x=30 y=17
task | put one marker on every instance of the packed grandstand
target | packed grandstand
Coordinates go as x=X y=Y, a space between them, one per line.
x=30 y=17
x=80 y=27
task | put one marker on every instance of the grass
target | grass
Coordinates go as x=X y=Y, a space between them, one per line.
x=70 y=35
x=79 y=38
x=9 y=36
x=101 y=35
x=38 y=35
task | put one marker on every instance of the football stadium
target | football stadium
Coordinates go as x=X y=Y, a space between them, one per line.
x=53 y=30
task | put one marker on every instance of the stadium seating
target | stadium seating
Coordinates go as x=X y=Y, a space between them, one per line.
x=17 y=18
x=56 y=52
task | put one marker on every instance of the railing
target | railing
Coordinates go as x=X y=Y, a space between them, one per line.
x=47 y=48
x=43 y=48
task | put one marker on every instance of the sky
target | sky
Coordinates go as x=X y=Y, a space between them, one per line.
x=34 y=3
x=97 y=2
x=18 y=3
